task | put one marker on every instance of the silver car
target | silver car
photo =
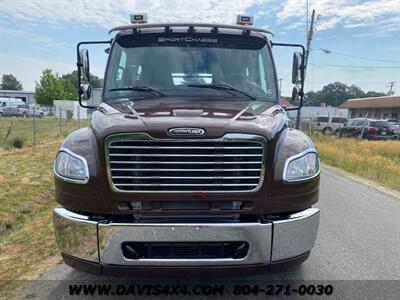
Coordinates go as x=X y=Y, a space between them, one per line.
x=29 y=111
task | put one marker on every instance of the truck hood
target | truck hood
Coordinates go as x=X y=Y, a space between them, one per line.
x=216 y=116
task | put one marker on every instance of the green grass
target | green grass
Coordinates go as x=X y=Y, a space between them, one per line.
x=27 y=244
x=34 y=131
x=375 y=160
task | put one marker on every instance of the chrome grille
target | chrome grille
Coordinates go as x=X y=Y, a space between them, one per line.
x=139 y=163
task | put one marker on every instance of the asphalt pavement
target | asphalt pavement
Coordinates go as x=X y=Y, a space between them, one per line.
x=357 y=249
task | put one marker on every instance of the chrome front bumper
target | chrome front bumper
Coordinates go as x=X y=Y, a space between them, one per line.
x=100 y=242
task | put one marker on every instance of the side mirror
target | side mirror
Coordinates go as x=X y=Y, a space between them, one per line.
x=83 y=64
x=297 y=72
x=296 y=95
x=84 y=73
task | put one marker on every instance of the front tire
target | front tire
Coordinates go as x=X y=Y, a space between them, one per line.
x=327 y=130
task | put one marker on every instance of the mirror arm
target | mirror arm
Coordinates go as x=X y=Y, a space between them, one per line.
x=302 y=70
x=79 y=65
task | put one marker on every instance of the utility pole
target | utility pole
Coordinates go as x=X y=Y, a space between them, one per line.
x=308 y=47
x=391 y=85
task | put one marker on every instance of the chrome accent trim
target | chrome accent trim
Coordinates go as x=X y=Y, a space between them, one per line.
x=186 y=131
x=202 y=25
x=295 y=234
x=182 y=177
x=186 y=155
x=176 y=170
x=174 y=148
x=72 y=180
x=239 y=137
x=188 y=162
x=185 y=184
x=294 y=157
x=111 y=237
x=76 y=235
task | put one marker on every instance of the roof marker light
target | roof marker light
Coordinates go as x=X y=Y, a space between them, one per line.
x=244 y=20
x=138 y=18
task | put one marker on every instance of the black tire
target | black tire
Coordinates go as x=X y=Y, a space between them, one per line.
x=338 y=133
x=327 y=130
x=24 y=114
x=41 y=116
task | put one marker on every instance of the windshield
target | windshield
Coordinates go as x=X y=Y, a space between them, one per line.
x=379 y=124
x=154 y=65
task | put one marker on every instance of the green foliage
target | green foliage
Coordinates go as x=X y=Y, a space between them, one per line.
x=334 y=94
x=95 y=82
x=69 y=89
x=70 y=84
x=49 y=88
x=10 y=82
x=17 y=142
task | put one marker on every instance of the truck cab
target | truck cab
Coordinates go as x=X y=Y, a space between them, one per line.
x=188 y=164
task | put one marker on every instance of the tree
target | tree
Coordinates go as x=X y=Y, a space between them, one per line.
x=70 y=84
x=10 y=82
x=95 y=82
x=69 y=90
x=49 y=88
x=374 y=94
x=334 y=94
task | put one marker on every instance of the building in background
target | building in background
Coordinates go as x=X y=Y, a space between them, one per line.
x=375 y=107
x=311 y=112
x=26 y=96
x=69 y=109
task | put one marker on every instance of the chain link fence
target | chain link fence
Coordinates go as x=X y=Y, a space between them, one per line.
x=27 y=130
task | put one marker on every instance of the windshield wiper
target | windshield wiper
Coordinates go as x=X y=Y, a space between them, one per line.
x=223 y=87
x=138 y=89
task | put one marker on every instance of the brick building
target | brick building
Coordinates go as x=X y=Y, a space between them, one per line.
x=375 y=107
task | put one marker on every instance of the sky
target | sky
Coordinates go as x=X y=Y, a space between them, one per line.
x=362 y=37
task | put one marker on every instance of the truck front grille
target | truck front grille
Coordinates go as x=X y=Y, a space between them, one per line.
x=139 y=163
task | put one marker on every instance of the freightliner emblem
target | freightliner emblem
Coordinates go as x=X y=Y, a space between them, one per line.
x=186 y=131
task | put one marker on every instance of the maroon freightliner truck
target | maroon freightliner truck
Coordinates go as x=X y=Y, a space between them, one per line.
x=189 y=163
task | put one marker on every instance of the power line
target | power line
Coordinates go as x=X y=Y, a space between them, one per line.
x=328 y=51
x=354 y=66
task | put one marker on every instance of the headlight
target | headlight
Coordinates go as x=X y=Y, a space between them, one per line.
x=302 y=166
x=71 y=167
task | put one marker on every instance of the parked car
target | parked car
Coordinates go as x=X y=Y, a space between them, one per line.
x=328 y=124
x=46 y=110
x=395 y=125
x=369 y=129
x=29 y=111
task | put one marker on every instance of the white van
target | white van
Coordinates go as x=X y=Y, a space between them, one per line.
x=9 y=106
x=328 y=124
